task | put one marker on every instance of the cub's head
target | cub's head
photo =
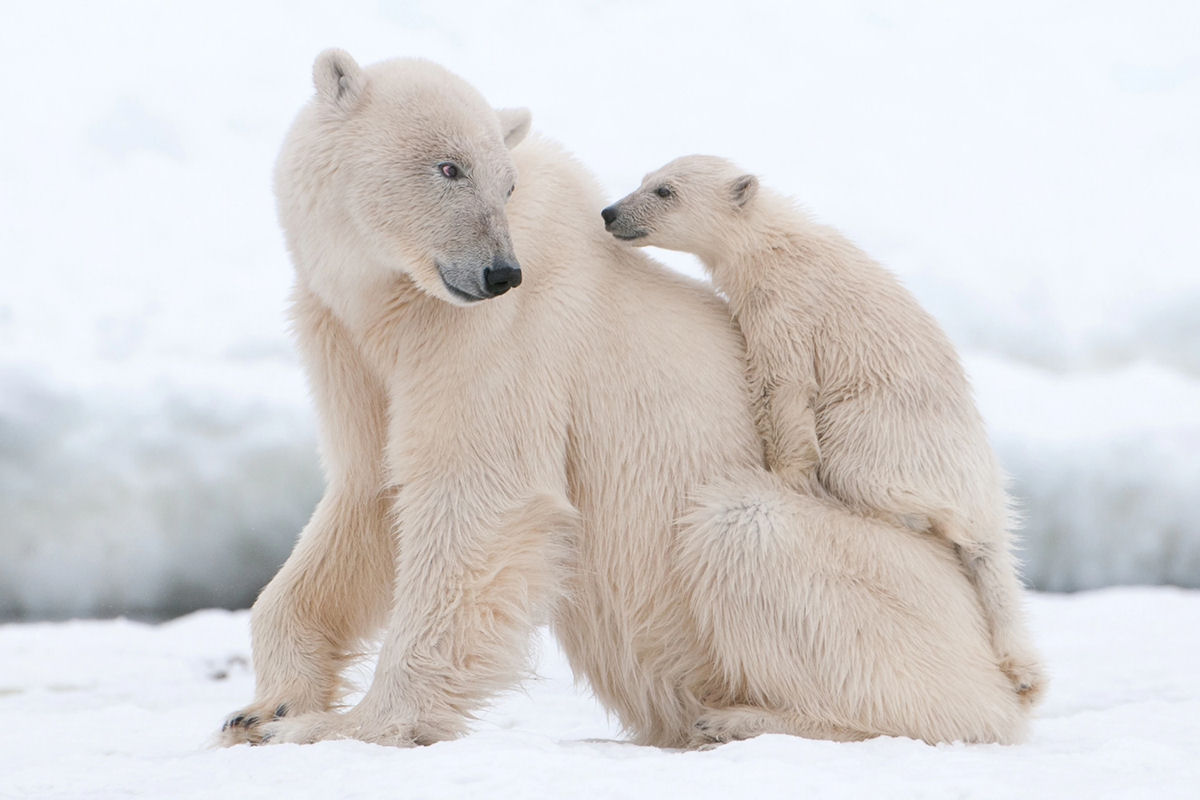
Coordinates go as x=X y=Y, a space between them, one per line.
x=411 y=168
x=684 y=205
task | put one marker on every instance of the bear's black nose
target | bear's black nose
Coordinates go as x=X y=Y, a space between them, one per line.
x=609 y=214
x=501 y=277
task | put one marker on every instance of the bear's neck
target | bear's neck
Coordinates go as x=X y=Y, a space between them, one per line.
x=765 y=243
x=352 y=286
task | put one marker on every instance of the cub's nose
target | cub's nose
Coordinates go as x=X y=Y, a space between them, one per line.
x=500 y=277
x=609 y=214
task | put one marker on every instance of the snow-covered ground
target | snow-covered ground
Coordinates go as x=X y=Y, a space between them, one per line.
x=122 y=709
x=1031 y=169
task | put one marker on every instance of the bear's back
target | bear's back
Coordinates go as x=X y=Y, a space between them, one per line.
x=656 y=366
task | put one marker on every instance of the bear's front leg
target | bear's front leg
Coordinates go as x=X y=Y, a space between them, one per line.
x=336 y=587
x=331 y=593
x=470 y=588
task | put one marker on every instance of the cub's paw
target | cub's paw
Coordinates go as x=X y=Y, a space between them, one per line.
x=1027 y=677
x=246 y=726
x=799 y=477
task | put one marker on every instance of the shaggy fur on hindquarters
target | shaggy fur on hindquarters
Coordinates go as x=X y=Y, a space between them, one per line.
x=494 y=463
x=858 y=391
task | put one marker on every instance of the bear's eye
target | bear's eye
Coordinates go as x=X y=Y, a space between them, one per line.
x=662 y=191
x=511 y=189
x=449 y=170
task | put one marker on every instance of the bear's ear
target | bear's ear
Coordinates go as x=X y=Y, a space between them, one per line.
x=338 y=78
x=743 y=189
x=514 y=125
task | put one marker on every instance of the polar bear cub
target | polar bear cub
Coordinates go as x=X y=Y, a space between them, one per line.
x=859 y=393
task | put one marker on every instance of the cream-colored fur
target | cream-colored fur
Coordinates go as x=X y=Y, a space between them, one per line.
x=581 y=449
x=859 y=394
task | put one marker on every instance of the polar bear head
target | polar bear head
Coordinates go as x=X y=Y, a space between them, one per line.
x=690 y=204
x=402 y=167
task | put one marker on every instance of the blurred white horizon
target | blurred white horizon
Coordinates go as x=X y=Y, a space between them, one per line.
x=1031 y=171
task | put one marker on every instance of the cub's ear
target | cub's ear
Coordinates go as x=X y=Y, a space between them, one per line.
x=514 y=125
x=743 y=189
x=338 y=78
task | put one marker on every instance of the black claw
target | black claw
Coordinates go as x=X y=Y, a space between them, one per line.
x=251 y=722
x=225 y=725
x=266 y=737
x=281 y=711
x=236 y=721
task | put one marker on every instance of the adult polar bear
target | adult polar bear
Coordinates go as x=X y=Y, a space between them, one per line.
x=579 y=450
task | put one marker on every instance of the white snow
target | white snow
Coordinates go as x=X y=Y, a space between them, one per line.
x=1030 y=169
x=123 y=709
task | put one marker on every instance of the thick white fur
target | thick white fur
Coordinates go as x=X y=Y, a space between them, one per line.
x=530 y=457
x=858 y=391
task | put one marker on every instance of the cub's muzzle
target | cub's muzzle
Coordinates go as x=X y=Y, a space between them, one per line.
x=619 y=225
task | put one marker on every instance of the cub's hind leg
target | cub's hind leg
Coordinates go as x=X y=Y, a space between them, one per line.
x=992 y=571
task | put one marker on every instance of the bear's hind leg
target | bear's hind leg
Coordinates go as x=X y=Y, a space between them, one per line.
x=718 y=726
x=832 y=624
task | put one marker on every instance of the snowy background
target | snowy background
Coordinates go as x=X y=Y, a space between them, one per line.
x=1031 y=169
